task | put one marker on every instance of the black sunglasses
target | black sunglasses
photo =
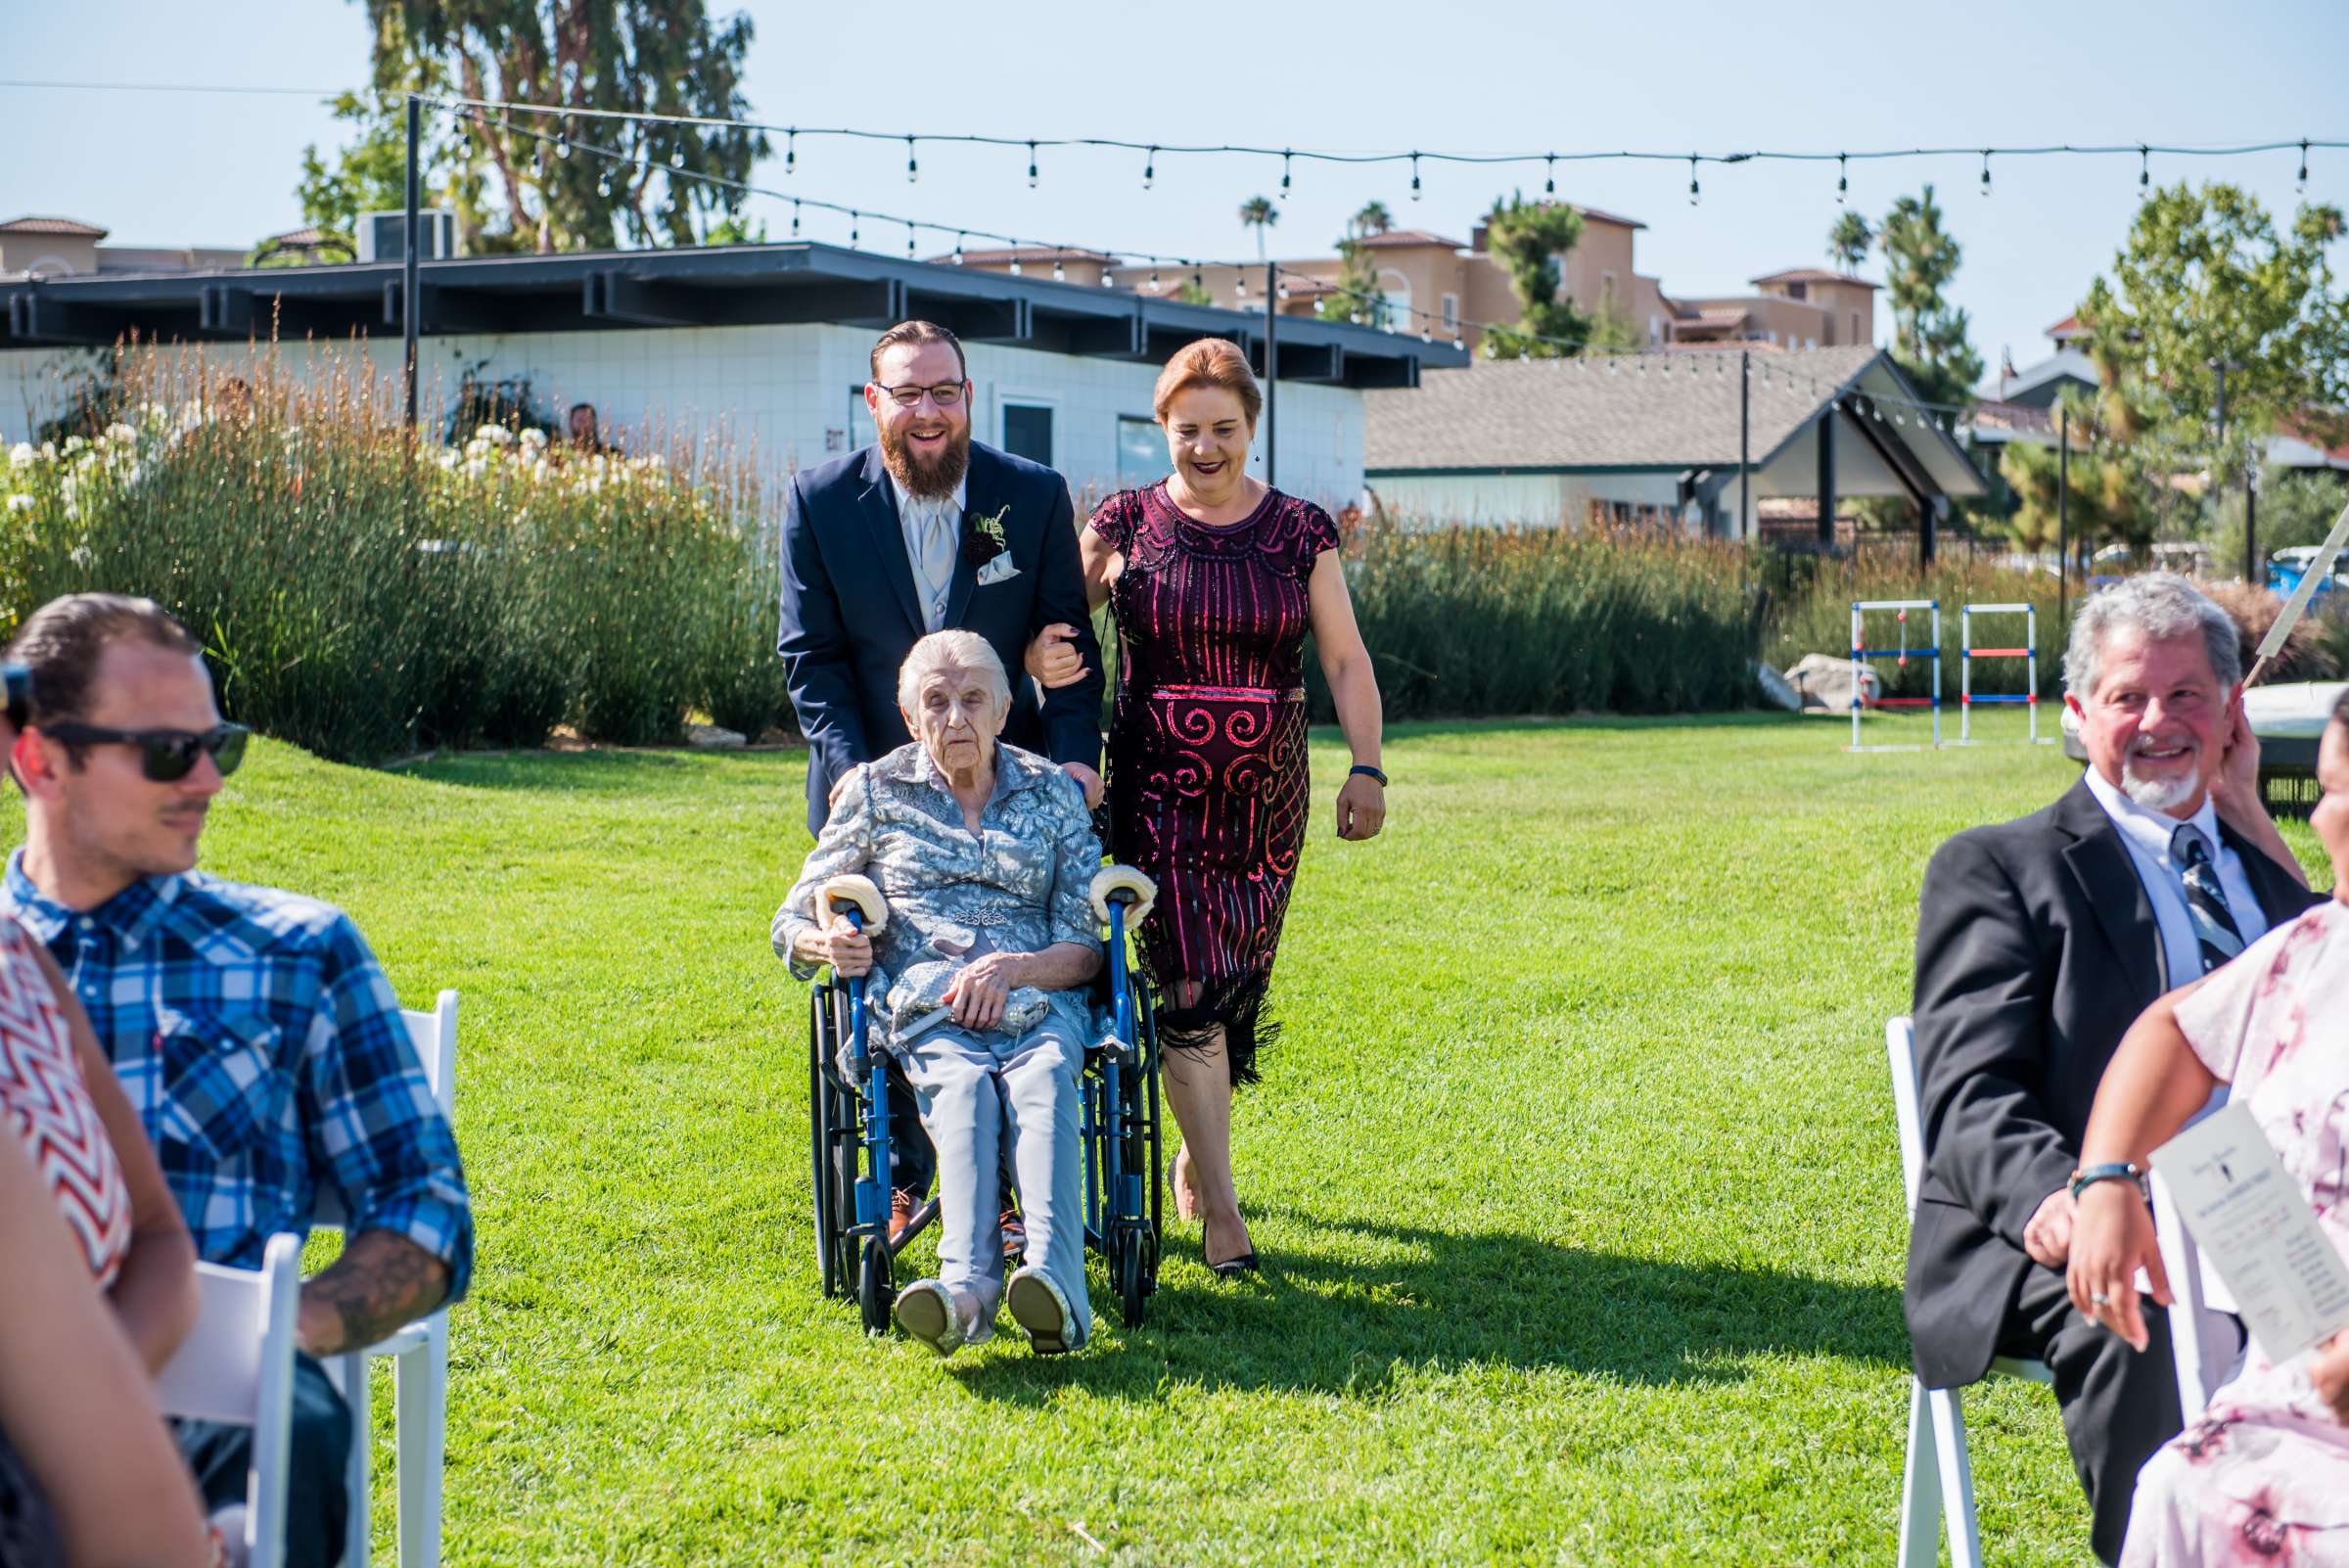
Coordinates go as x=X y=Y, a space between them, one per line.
x=165 y=755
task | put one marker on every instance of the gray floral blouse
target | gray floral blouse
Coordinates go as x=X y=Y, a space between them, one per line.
x=1019 y=885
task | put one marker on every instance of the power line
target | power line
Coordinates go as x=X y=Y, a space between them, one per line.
x=178 y=87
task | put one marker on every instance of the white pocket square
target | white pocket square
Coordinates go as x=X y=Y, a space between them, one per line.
x=1002 y=569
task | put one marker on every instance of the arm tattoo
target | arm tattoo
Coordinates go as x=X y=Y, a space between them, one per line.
x=380 y=1284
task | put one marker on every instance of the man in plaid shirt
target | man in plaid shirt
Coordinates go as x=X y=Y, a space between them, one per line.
x=252 y=1030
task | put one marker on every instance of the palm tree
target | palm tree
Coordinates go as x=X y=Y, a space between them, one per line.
x=1373 y=219
x=1259 y=214
x=1849 y=241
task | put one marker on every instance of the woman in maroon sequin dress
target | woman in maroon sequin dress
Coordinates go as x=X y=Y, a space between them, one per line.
x=1214 y=580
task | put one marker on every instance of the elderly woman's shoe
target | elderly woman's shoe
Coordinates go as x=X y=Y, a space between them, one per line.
x=926 y=1311
x=1038 y=1306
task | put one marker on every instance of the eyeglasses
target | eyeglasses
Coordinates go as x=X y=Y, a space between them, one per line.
x=165 y=755
x=946 y=393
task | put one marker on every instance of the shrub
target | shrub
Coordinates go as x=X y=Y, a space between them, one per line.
x=362 y=597
x=1466 y=622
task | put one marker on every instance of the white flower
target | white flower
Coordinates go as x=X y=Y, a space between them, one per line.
x=119 y=431
x=449 y=457
x=20 y=503
x=21 y=455
x=191 y=415
x=494 y=434
x=533 y=439
x=74 y=443
x=79 y=555
x=476 y=448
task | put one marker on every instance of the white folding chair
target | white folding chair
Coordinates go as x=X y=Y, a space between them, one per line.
x=2201 y=1312
x=418 y=1352
x=237 y=1366
x=1938 y=1476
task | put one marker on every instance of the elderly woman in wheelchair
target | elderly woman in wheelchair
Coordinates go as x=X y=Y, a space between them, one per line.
x=967 y=863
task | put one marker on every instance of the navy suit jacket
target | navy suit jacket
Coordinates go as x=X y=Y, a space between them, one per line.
x=850 y=613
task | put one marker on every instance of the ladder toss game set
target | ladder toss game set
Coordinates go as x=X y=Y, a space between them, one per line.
x=1967 y=653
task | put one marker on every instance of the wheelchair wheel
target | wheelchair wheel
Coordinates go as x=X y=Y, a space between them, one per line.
x=876 y=1293
x=1135 y=1270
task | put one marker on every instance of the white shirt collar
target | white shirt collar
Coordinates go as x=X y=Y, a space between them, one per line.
x=2152 y=831
x=962 y=492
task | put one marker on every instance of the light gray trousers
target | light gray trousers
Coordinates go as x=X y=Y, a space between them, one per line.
x=976 y=1093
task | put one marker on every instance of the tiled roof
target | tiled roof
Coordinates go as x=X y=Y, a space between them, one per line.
x=73 y=227
x=1813 y=275
x=1412 y=236
x=2068 y=327
x=1595 y=215
x=1592 y=412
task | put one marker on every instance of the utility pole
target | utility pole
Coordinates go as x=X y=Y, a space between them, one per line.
x=2063 y=519
x=407 y=262
x=1272 y=365
x=1745 y=436
x=2251 y=523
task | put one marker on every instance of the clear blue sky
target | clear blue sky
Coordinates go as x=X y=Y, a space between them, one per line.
x=158 y=168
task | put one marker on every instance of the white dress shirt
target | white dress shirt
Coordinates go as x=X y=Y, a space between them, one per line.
x=2148 y=835
x=915 y=514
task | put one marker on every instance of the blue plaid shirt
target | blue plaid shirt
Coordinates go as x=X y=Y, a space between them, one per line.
x=264 y=1050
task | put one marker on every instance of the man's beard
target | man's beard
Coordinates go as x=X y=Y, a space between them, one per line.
x=932 y=476
x=2157 y=793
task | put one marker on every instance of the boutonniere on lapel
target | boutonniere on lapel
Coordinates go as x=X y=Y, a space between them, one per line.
x=983 y=546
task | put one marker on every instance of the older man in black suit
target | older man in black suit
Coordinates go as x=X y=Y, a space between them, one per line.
x=923 y=530
x=2038 y=943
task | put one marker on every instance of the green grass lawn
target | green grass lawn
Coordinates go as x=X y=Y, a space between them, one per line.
x=1574 y=1171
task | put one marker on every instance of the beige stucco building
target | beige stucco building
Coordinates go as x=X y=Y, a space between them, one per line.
x=67 y=247
x=1438 y=288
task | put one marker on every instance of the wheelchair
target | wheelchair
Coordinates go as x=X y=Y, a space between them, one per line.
x=1118 y=1118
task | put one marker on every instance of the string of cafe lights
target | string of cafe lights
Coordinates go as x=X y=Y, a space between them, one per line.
x=1574 y=355
x=1548 y=160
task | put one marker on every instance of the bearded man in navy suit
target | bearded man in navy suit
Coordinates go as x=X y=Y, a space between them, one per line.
x=923 y=530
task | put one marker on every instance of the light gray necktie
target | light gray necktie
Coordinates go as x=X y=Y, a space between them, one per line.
x=938 y=560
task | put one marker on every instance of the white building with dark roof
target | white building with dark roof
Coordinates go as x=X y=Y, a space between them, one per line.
x=1660 y=439
x=764 y=343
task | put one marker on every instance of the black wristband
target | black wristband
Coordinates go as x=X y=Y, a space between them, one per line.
x=2115 y=1170
x=1368 y=771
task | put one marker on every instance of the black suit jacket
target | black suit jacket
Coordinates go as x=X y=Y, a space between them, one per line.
x=851 y=613
x=2036 y=950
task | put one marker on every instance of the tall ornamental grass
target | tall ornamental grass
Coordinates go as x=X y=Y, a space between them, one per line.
x=1475 y=620
x=364 y=598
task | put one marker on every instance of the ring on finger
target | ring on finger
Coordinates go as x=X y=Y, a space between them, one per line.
x=2098 y=1298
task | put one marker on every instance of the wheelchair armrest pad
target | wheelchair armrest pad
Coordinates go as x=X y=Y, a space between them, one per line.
x=1123 y=879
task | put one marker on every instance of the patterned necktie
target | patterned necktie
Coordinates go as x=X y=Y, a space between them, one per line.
x=2205 y=900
